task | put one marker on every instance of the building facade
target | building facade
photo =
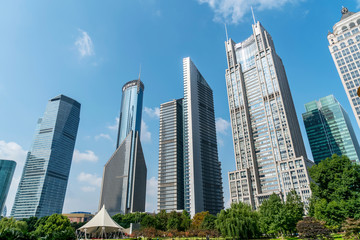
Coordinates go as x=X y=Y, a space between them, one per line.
x=79 y=217
x=171 y=157
x=43 y=183
x=270 y=156
x=124 y=178
x=7 y=168
x=344 y=46
x=202 y=168
x=189 y=168
x=329 y=130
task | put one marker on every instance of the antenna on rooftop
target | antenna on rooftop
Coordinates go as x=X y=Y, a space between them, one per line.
x=227 y=37
x=140 y=72
x=252 y=11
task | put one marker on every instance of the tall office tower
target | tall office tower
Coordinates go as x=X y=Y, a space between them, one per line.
x=329 y=130
x=269 y=151
x=171 y=157
x=202 y=169
x=344 y=46
x=7 y=168
x=124 y=179
x=43 y=183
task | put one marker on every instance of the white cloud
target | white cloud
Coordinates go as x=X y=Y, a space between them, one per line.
x=102 y=135
x=115 y=126
x=88 y=189
x=233 y=11
x=152 y=112
x=151 y=194
x=84 y=44
x=87 y=156
x=145 y=134
x=89 y=178
x=13 y=151
x=222 y=126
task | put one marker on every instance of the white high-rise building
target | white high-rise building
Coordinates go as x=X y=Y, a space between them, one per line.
x=344 y=46
x=269 y=151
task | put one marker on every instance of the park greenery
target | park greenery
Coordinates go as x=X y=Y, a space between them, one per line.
x=334 y=206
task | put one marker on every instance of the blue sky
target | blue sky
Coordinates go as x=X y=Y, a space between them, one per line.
x=88 y=49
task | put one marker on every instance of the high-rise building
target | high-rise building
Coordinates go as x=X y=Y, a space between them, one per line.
x=171 y=157
x=329 y=130
x=270 y=156
x=124 y=179
x=202 y=168
x=344 y=46
x=7 y=168
x=43 y=183
x=189 y=168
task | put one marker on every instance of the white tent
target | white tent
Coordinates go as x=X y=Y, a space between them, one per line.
x=100 y=226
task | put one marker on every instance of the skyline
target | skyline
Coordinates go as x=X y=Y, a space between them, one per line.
x=93 y=63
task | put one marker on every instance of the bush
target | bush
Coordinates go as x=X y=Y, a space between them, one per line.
x=310 y=228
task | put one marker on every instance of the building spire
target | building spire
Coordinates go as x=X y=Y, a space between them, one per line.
x=252 y=11
x=227 y=37
x=140 y=72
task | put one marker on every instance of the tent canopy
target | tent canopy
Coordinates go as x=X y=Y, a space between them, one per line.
x=101 y=222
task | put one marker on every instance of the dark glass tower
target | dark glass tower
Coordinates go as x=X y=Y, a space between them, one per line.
x=329 y=130
x=7 y=168
x=124 y=179
x=43 y=184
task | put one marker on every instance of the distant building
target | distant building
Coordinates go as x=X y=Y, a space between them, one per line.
x=7 y=168
x=269 y=151
x=79 y=217
x=124 y=179
x=189 y=168
x=344 y=46
x=171 y=157
x=43 y=184
x=329 y=130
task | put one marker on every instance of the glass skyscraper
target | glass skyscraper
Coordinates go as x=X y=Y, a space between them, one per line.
x=7 y=168
x=344 y=46
x=189 y=168
x=329 y=130
x=171 y=157
x=270 y=156
x=43 y=183
x=124 y=179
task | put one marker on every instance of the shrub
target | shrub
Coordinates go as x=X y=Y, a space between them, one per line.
x=310 y=228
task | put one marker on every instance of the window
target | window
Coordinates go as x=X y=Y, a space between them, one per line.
x=343 y=69
x=356 y=30
x=340 y=62
x=356 y=55
x=357 y=38
x=339 y=38
x=353 y=48
x=342 y=45
x=345 y=51
x=348 y=59
x=347 y=77
x=355 y=74
x=351 y=66
x=350 y=41
x=348 y=34
x=335 y=48
x=349 y=85
x=338 y=55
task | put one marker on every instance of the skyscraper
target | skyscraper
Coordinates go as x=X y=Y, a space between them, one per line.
x=344 y=46
x=203 y=181
x=171 y=157
x=43 y=183
x=269 y=151
x=7 y=168
x=124 y=179
x=329 y=130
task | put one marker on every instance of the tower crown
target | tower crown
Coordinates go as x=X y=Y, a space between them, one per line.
x=344 y=10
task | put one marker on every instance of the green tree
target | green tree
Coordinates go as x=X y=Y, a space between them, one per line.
x=335 y=191
x=31 y=223
x=174 y=221
x=208 y=222
x=12 y=224
x=269 y=210
x=55 y=223
x=125 y=220
x=161 y=220
x=291 y=213
x=238 y=221
x=185 y=220
x=148 y=221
